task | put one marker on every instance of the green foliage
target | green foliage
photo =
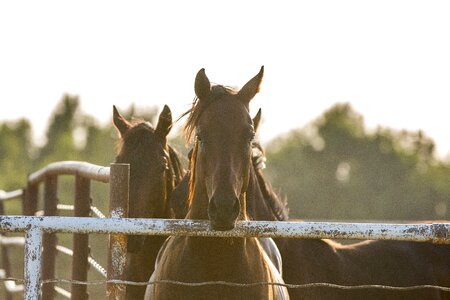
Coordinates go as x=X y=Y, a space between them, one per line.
x=59 y=138
x=334 y=169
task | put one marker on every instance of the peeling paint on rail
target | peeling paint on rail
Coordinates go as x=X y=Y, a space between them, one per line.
x=424 y=232
x=35 y=226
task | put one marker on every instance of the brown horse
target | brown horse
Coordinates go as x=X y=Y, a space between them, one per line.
x=388 y=263
x=154 y=171
x=220 y=168
x=263 y=203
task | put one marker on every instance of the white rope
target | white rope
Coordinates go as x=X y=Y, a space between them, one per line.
x=233 y=284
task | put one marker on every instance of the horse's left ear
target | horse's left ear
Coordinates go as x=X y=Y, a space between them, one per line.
x=257 y=120
x=202 y=85
x=121 y=124
x=164 y=122
x=251 y=88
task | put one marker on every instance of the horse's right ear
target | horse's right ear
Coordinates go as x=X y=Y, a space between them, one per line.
x=121 y=124
x=257 y=120
x=202 y=85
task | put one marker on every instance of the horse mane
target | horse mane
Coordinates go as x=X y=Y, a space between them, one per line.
x=276 y=204
x=192 y=170
x=176 y=166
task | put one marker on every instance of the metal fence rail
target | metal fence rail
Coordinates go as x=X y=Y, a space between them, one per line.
x=47 y=178
x=40 y=230
x=10 y=195
x=36 y=226
x=81 y=168
x=438 y=233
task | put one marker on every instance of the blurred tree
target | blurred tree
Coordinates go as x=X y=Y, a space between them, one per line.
x=15 y=153
x=60 y=144
x=334 y=169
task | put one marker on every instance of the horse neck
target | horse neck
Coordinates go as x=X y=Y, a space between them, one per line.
x=262 y=203
x=176 y=167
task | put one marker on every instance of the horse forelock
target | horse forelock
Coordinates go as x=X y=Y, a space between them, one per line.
x=198 y=107
x=130 y=137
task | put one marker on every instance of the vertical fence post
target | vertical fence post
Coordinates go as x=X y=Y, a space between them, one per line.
x=32 y=266
x=118 y=208
x=49 y=240
x=30 y=200
x=6 y=264
x=80 y=262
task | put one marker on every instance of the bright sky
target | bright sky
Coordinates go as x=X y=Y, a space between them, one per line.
x=389 y=59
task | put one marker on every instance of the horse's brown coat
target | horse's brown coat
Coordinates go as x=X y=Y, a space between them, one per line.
x=219 y=179
x=154 y=171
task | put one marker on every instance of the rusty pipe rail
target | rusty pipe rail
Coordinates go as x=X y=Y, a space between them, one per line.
x=428 y=232
x=36 y=226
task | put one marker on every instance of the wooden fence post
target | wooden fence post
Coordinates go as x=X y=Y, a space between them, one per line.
x=80 y=264
x=49 y=239
x=118 y=208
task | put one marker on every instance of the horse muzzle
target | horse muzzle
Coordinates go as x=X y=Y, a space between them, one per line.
x=223 y=212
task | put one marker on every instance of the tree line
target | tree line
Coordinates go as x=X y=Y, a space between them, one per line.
x=333 y=168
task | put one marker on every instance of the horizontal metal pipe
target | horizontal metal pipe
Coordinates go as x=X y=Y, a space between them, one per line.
x=10 y=195
x=423 y=232
x=84 y=169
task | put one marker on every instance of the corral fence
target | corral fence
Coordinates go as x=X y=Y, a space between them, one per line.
x=40 y=228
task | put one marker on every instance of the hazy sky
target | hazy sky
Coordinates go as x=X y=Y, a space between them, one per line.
x=389 y=59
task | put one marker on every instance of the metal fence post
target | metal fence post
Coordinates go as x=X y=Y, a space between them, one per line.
x=80 y=262
x=49 y=240
x=118 y=208
x=6 y=264
x=32 y=266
